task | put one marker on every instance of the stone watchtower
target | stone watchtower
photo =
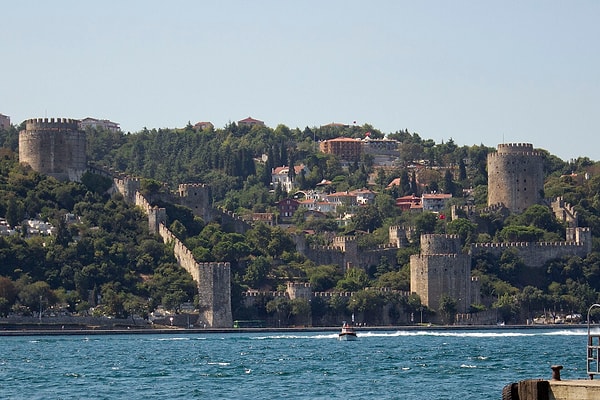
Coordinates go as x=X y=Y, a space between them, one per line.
x=196 y=196
x=214 y=294
x=442 y=269
x=515 y=176
x=54 y=147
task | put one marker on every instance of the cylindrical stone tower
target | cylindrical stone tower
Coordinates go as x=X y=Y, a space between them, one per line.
x=515 y=176
x=54 y=147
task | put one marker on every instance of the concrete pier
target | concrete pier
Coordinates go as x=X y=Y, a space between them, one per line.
x=583 y=389
x=554 y=389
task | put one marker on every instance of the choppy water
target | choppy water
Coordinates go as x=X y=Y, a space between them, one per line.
x=450 y=364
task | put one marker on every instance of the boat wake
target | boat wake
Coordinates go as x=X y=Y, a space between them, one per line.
x=477 y=334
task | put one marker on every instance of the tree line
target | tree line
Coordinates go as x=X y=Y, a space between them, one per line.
x=108 y=259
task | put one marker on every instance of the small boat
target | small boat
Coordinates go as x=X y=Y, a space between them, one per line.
x=347 y=332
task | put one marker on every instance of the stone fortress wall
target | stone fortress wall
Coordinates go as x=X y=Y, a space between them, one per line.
x=536 y=254
x=515 y=176
x=443 y=269
x=213 y=279
x=55 y=147
x=344 y=252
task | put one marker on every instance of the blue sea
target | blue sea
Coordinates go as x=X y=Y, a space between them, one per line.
x=428 y=364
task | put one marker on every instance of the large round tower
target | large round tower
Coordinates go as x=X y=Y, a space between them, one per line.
x=54 y=147
x=515 y=176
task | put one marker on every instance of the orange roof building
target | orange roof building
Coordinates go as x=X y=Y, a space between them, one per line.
x=344 y=148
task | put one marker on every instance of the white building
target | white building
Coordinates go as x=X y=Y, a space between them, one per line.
x=99 y=124
x=434 y=201
x=281 y=176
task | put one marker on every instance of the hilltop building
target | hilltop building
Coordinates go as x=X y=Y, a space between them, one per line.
x=99 y=124
x=345 y=148
x=250 y=122
x=202 y=125
x=4 y=122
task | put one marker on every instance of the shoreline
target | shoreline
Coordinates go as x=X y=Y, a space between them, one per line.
x=70 y=331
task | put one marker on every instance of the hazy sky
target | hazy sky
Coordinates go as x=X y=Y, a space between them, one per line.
x=479 y=72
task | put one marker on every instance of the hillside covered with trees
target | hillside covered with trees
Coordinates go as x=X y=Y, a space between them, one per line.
x=107 y=260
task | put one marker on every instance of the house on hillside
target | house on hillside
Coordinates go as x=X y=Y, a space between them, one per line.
x=287 y=207
x=319 y=205
x=435 y=202
x=202 y=125
x=250 y=122
x=364 y=196
x=99 y=124
x=281 y=176
x=411 y=202
x=343 y=198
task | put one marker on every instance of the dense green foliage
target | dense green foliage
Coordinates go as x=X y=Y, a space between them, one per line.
x=108 y=254
x=104 y=258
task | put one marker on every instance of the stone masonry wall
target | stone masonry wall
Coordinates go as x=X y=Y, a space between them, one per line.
x=54 y=147
x=515 y=176
x=213 y=279
x=435 y=275
x=534 y=254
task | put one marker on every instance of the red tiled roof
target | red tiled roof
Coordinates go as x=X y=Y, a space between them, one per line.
x=437 y=196
x=250 y=120
x=343 y=139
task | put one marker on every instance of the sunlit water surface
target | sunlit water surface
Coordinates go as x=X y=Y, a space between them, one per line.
x=450 y=364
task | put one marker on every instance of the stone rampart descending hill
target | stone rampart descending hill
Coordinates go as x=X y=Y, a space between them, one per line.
x=213 y=279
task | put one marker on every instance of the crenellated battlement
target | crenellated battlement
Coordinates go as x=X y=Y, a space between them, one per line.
x=214 y=264
x=265 y=293
x=492 y=208
x=535 y=254
x=515 y=148
x=51 y=124
x=564 y=212
x=295 y=285
x=440 y=244
x=386 y=246
x=438 y=237
x=526 y=153
x=344 y=239
x=438 y=255
x=187 y=186
x=512 y=245
x=326 y=248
